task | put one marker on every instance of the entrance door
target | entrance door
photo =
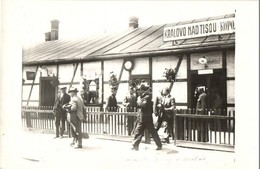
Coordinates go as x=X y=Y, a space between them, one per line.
x=48 y=89
x=214 y=83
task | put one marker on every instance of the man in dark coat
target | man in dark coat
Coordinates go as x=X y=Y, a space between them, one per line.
x=60 y=114
x=145 y=120
x=111 y=105
x=201 y=108
x=164 y=107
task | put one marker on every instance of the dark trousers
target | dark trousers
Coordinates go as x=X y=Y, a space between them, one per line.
x=168 y=125
x=130 y=121
x=60 y=124
x=139 y=132
x=76 y=128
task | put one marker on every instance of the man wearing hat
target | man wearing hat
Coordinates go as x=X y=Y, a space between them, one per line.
x=76 y=111
x=60 y=114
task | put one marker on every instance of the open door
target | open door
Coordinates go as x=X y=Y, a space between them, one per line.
x=48 y=90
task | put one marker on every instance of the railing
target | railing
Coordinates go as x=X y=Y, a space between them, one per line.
x=98 y=121
x=210 y=126
x=216 y=127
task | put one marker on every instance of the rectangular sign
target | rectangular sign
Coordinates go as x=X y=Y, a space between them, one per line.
x=200 y=29
x=206 y=71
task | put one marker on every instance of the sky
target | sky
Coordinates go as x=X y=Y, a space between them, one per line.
x=86 y=18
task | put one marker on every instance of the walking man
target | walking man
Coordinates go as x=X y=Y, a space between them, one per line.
x=145 y=120
x=60 y=114
x=76 y=112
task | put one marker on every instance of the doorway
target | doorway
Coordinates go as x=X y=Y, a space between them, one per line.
x=48 y=91
x=213 y=82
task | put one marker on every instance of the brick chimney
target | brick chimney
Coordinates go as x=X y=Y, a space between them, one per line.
x=133 y=22
x=54 y=30
x=48 y=36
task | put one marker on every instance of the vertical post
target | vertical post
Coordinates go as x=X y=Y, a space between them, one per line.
x=175 y=126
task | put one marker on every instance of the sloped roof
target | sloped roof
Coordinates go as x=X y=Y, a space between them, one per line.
x=129 y=42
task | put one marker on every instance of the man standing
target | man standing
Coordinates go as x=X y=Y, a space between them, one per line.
x=202 y=101
x=164 y=107
x=111 y=105
x=145 y=120
x=77 y=112
x=130 y=103
x=201 y=108
x=60 y=114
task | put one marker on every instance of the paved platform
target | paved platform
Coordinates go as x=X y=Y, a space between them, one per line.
x=41 y=151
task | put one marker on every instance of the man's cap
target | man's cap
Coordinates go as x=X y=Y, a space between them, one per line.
x=63 y=88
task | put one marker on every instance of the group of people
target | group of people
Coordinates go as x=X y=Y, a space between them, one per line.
x=71 y=108
x=140 y=99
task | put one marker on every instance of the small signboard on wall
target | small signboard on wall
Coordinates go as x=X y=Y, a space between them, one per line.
x=205 y=71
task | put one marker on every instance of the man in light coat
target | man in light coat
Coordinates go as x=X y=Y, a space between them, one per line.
x=164 y=106
x=76 y=115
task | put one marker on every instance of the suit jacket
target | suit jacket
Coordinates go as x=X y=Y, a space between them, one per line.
x=111 y=103
x=202 y=102
x=77 y=106
x=164 y=105
x=130 y=102
x=60 y=101
x=145 y=104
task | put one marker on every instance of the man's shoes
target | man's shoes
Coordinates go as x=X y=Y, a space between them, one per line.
x=166 y=141
x=79 y=146
x=159 y=148
x=56 y=137
x=61 y=137
x=135 y=148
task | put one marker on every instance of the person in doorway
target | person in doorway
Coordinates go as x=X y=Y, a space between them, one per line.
x=111 y=105
x=77 y=114
x=130 y=103
x=145 y=120
x=60 y=114
x=164 y=107
x=201 y=108
x=202 y=101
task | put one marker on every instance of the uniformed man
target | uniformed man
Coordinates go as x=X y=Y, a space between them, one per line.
x=145 y=120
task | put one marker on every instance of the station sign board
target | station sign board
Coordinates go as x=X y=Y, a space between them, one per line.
x=199 y=29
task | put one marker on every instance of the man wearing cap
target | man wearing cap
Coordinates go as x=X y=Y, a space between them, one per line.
x=145 y=120
x=60 y=114
x=76 y=111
